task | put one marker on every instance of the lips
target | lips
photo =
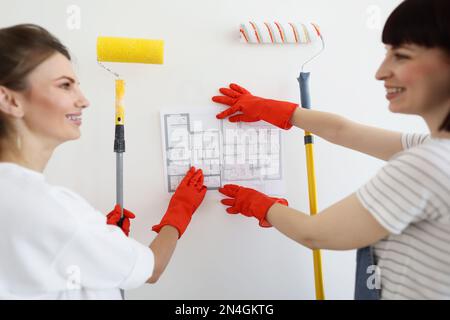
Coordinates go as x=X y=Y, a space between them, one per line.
x=394 y=92
x=74 y=118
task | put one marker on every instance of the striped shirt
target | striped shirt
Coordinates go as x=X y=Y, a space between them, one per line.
x=410 y=197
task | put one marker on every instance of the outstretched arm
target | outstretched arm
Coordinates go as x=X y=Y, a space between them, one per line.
x=376 y=142
x=343 y=226
x=245 y=107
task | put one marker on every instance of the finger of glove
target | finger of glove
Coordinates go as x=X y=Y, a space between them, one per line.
x=242 y=118
x=203 y=191
x=228 y=112
x=199 y=186
x=232 y=210
x=188 y=176
x=200 y=197
x=126 y=226
x=230 y=93
x=229 y=190
x=239 y=89
x=111 y=214
x=228 y=202
x=195 y=178
x=224 y=100
x=128 y=214
x=114 y=211
x=113 y=219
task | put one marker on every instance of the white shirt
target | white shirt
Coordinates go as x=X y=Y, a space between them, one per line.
x=410 y=197
x=54 y=245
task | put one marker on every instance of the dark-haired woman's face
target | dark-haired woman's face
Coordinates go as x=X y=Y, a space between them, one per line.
x=417 y=79
x=53 y=104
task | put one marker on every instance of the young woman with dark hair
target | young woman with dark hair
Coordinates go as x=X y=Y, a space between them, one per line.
x=400 y=219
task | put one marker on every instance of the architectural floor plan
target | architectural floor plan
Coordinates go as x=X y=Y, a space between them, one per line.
x=247 y=154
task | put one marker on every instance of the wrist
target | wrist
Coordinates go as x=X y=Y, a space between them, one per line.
x=271 y=205
x=265 y=204
x=176 y=216
x=168 y=226
x=295 y=117
x=279 y=113
x=169 y=229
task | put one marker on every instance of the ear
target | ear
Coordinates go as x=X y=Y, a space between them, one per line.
x=9 y=103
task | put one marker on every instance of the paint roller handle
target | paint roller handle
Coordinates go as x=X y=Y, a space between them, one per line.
x=114 y=218
x=305 y=100
x=119 y=139
x=305 y=97
x=245 y=107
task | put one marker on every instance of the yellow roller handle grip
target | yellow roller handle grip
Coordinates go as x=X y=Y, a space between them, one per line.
x=312 y=191
x=120 y=111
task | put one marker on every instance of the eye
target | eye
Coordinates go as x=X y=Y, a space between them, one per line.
x=400 y=56
x=65 y=85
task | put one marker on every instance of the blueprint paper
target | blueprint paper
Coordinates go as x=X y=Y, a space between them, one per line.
x=247 y=154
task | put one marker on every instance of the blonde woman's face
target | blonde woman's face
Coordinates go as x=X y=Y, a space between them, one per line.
x=53 y=104
x=417 y=79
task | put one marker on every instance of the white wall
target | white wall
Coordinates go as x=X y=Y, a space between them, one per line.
x=220 y=256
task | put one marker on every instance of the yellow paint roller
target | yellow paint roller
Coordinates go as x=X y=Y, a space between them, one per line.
x=127 y=50
x=131 y=50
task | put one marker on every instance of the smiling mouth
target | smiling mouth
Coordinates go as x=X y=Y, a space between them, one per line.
x=394 y=92
x=75 y=119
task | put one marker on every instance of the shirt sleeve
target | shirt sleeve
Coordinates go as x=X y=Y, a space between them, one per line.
x=410 y=140
x=100 y=256
x=398 y=195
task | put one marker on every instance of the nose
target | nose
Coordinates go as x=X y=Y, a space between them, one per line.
x=82 y=102
x=384 y=71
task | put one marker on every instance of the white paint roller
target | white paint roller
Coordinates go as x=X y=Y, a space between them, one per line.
x=279 y=32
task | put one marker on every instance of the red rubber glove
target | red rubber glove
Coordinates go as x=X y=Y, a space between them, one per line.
x=249 y=202
x=254 y=108
x=114 y=217
x=186 y=199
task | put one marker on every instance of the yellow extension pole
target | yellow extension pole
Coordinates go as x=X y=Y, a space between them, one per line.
x=303 y=81
x=312 y=191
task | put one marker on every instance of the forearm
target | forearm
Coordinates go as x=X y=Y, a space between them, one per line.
x=163 y=247
x=292 y=223
x=323 y=124
x=376 y=142
x=345 y=225
x=313 y=232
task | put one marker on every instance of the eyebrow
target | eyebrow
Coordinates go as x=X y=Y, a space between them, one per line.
x=403 y=46
x=66 y=77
